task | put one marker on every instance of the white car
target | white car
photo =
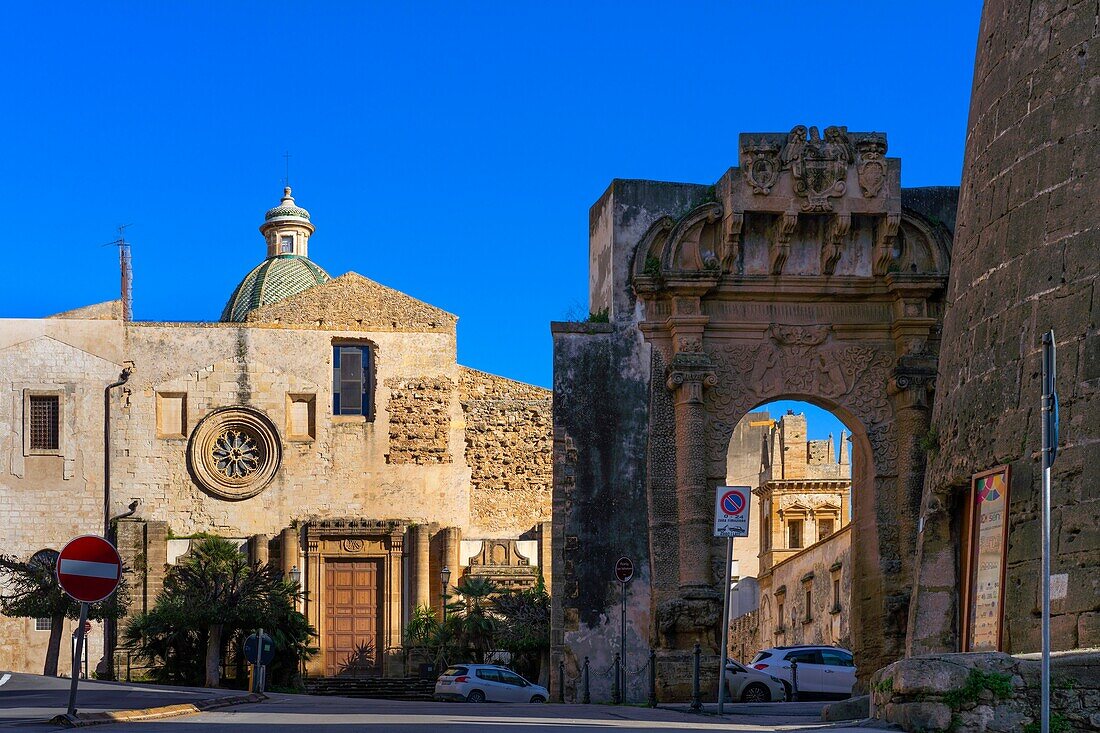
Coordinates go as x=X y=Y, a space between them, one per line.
x=486 y=683
x=750 y=685
x=823 y=671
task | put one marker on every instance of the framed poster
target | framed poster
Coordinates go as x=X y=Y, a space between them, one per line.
x=986 y=549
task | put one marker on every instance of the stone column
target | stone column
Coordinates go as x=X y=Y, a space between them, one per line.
x=545 y=549
x=258 y=551
x=452 y=540
x=419 y=569
x=288 y=539
x=689 y=373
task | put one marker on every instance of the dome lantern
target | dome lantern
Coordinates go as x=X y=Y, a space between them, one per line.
x=287 y=228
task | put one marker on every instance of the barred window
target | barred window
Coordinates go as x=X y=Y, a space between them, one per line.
x=43 y=624
x=44 y=427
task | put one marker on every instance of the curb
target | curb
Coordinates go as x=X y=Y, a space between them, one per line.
x=84 y=720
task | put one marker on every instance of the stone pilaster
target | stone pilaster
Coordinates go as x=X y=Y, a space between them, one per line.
x=689 y=374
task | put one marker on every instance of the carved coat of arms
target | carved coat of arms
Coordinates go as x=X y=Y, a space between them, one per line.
x=819 y=166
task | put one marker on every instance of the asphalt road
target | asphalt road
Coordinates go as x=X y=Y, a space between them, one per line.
x=28 y=701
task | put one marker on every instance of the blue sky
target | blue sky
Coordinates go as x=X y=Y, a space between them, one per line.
x=448 y=150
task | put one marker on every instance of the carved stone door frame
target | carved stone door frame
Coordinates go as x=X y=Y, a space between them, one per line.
x=330 y=540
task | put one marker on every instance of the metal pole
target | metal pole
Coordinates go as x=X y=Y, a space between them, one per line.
x=616 y=685
x=76 y=658
x=652 y=678
x=1049 y=447
x=794 y=681
x=561 y=681
x=620 y=672
x=587 y=698
x=725 y=623
x=696 y=701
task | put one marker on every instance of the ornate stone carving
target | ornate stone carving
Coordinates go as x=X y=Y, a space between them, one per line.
x=352 y=545
x=682 y=621
x=801 y=360
x=689 y=343
x=779 y=245
x=883 y=253
x=234 y=452
x=760 y=161
x=732 y=249
x=833 y=246
x=819 y=167
x=871 y=165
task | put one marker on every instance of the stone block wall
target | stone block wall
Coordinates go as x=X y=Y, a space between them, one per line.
x=987 y=693
x=1025 y=260
x=601 y=392
x=508 y=449
x=420 y=420
x=745 y=637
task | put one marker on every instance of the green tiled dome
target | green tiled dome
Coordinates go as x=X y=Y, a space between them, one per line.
x=273 y=279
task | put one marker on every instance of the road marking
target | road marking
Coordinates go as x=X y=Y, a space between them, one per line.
x=89 y=569
x=5 y=678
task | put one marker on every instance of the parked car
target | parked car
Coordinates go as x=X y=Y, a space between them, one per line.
x=486 y=683
x=823 y=671
x=751 y=685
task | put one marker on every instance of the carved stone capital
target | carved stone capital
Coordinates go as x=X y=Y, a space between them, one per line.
x=912 y=388
x=689 y=374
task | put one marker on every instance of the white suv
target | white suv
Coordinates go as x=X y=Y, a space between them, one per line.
x=486 y=683
x=825 y=671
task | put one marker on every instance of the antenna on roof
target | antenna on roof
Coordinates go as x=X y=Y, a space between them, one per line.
x=126 y=269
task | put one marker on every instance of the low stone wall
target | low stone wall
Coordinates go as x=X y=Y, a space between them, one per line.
x=987 y=692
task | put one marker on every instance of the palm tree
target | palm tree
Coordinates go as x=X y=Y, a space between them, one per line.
x=476 y=625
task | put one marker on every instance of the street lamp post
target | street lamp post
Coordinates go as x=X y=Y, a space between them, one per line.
x=445 y=577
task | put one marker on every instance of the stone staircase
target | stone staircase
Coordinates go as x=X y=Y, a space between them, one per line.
x=379 y=688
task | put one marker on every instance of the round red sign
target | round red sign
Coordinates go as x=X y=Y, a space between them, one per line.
x=89 y=568
x=624 y=569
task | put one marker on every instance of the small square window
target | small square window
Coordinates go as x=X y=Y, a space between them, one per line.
x=43 y=624
x=286 y=244
x=824 y=528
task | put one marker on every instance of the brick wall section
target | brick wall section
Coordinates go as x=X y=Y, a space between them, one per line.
x=508 y=449
x=419 y=420
x=1025 y=260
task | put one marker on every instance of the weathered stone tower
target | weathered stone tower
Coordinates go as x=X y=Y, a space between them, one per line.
x=1026 y=258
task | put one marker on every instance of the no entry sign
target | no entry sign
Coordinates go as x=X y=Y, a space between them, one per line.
x=89 y=568
x=624 y=569
x=731 y=511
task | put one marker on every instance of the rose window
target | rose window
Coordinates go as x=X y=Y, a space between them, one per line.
x=235 y=454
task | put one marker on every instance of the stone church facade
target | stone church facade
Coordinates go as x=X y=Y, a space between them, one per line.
x=324 y=423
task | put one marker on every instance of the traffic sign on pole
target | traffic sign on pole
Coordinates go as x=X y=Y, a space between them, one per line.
x=731 y=511
x=89 y=568
x=624 y=569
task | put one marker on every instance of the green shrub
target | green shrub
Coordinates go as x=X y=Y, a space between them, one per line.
x=999 y=683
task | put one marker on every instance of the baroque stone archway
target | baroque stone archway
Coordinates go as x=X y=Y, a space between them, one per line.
x=802 y=274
